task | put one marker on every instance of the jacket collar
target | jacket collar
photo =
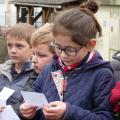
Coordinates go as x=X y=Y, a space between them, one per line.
x=95 y=61
x=117 y=56
x=5 y=69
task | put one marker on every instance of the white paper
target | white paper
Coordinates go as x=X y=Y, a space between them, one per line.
x=4 y=95
x=8 y=114
x=34 y=98
x=2 y=102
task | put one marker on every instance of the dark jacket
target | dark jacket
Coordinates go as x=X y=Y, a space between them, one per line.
x=22 y=81
x=115 y=63
x=88 y=89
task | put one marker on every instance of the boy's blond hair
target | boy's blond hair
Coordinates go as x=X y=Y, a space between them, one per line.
x=22 y=31
x=43 y=35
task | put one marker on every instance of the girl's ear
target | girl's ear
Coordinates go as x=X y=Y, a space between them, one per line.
x=91 y=45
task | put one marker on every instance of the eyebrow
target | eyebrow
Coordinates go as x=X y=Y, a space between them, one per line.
x=67 y=46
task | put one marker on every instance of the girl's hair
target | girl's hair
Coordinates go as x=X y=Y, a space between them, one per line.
x=22 y=31
x=79 y=23
x=43 y=35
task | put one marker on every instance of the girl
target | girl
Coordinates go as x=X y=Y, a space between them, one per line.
x=78 y=82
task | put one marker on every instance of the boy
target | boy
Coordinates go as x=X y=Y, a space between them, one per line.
x=42 y=53
x=40 y=42
x=16 y=73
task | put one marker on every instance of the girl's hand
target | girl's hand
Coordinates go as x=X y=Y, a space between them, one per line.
x=2 y=108
x=54 y=110
x=28 y=111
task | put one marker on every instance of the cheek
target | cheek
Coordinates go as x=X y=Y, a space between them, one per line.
x=26 y=52
x=43 y=62
x=78 y=59
x=40 y=65
x=10 y=51
x=46 y=60
x=81 y=55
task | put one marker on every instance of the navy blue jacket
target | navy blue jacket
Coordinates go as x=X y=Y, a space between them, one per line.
x=87 y=93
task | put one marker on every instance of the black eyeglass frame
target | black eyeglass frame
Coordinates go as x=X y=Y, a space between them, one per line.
x=64 y=49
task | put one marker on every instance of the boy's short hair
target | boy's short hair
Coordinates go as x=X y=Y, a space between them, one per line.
x=43 y=35
x=22 y=31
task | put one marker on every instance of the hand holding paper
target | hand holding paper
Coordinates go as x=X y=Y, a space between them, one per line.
x=28 y=111
x=7 y=113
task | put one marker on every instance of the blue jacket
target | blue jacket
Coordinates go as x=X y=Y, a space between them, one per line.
x=87 y=93
x=22 y=81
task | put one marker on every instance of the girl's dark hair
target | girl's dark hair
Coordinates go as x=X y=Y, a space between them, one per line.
x=79 y=23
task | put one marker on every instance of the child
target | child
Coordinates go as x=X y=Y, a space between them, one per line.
x=115 y=93
x=16 y=73
x=116 y=65
x=78 y=82
x=42 y=54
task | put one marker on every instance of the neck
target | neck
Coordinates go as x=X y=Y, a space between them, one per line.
x=18 y=67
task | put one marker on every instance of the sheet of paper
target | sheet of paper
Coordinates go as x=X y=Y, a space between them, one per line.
x=6 y=92
x=4 y=95
x=33 y=98
x=8 y=114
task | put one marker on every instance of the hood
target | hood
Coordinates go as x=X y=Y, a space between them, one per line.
x=117 y=56
x=5 y=68
x=96 y=61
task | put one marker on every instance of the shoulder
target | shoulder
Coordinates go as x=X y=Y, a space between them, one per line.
x=6 y=65
x=104 y=79
x=5 y=69
x=46 y=71
x=115 y=64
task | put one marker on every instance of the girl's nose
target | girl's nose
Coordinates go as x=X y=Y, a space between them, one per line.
x=63 y=54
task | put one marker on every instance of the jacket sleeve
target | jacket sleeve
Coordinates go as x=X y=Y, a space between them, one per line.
x=39 y=83
x=37 y=88
x=101 y=108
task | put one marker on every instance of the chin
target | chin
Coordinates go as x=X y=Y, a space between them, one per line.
x=67 y=63
x=15 y=61
x=37 y=71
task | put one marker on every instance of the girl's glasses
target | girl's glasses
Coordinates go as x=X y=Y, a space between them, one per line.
x=67 y=51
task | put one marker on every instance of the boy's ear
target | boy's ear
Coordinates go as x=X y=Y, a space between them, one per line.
x=91 y=44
